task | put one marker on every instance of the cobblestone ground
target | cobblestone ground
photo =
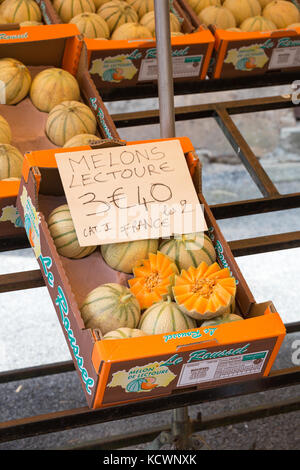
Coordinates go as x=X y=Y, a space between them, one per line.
x=274 y=137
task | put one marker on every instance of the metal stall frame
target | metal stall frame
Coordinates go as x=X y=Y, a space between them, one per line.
x=271 y=200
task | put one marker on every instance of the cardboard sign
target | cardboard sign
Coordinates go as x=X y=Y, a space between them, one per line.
x=131 y=192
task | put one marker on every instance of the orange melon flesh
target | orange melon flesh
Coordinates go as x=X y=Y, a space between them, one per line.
x=153 y=279
x=206 y=291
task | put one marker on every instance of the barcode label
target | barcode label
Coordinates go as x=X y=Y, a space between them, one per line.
x=2 y=92
x=287 y=57
x=189 y=66
x=222 y=368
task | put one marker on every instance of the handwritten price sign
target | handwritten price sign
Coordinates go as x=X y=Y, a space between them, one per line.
x=133 y=192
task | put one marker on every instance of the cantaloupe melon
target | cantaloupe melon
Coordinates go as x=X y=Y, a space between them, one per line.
x=91 y=25
x=3 y=20
x=99 y=3
x=221 y=17
x=62 y=230
x=257 y=23
x=17 y=11
x=148 y=20
x=82 y=139
x=226 y=318
x=124 y=256
x=116 y=13
x=123 y=333
x=263 y=3
x=31 y=23
x=205 y=292
x=67 y=9
x=52 y=86
x=69 y=119
x=109 y=307
x=142 y=6
x=281 y=13
x=16 y=78
x=189 y=250
x=11 y=162
x=5 y=131
x=164 y=317
x=153 y=279
x=130 y=31
x=293 y=25
x=243 y=9
x=201 y=4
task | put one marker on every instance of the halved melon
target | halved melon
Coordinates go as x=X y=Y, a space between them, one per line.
x=153 y=279
x=206 y=291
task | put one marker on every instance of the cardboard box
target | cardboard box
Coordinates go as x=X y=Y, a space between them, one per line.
x=113 y=372
x=240 y=54
x=40 y=47
x=115 y=65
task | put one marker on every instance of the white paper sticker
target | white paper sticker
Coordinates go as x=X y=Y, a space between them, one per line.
x=222 y=368
x=2 y=92
x=188 y=66
x=285 y=57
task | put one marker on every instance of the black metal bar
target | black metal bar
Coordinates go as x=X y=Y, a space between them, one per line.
x=244 y=152
x=200 y=111
x=70 y=419
x=36 y=371
x=264 y=244
x=142 y=91
x=255 y=206
x=201 y=424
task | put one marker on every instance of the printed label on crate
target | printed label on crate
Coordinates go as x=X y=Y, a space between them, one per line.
x=189 y=66
x=11 y=214
x=114 y=69
x=32 y=222
x=143 y=378
x=222 y=368
x=135 y=192
x=285 y=57
x=247 y=58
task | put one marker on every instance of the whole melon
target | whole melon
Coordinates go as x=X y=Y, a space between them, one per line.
x=293 y=25
x=189 y=250
x=82 y=139
x=257 y=23
x=116 y=13
x=17 y=11
x=109 y=307
x=91 y=25
x=11 y=162
x=243 y=9
x=68 y=119
x=225 y=318
x=131 y=31
x=16 y=78
x=122 y=333
x=165 y=317
x=221 y=17
x=148 y=20
x=62 y=230
x=3 y=20
x=52 y=86
x=31 y=23
x=67 y=9
x=141 y=6
x=99 y=3
x=123 y=256
x=281 y=13
x=263 y=3
x=5 y=131
x=201 y=4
